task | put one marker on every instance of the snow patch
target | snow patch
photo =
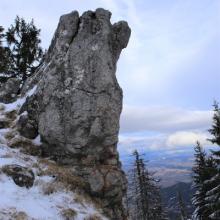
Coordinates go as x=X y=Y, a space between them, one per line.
x=95 y=47
x=20 y=101
x=33 y=201
x=37 y=140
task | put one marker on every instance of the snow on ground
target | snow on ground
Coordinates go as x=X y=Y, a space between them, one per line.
x=34 y=202
x=20 y=101
x=37 y=140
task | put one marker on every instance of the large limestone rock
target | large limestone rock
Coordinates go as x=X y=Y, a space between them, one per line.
x=77 y=102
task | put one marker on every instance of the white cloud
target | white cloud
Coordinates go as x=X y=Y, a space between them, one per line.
x=163 y=128
x=142 y=143
x=186 y=138
x=161 y=118
x=172 y=142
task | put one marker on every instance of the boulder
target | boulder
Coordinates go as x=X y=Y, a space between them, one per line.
x=22 y=176
x=77 y=102
x=26 y=127
x=9 y=90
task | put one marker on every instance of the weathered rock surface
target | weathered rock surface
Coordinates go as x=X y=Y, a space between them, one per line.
x=22 y=176
x=77 y=103
x=9 y=90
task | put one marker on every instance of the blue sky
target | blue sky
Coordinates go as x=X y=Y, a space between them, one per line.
x=170 y=71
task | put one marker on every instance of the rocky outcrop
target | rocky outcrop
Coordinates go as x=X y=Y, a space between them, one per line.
x=77 y=102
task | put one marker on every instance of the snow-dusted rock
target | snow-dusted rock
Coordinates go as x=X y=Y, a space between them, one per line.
x=22 y=176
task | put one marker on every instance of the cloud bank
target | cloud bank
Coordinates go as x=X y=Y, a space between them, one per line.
x=163 y=128
x=163 y=119
x=173 y=142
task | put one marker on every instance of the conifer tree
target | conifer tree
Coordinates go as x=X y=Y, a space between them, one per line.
x=158 y=211
x=1 y=49
x=25 y=53
x=213 y=194
x=204 y=169
x=215 y=130
x=198 y=179
x=1 y=35
x=182 y=207
x=144 y=201
x=4 y=62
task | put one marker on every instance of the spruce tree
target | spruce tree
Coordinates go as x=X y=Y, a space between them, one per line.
x=182 y=207
x=215 y=130
x=204 y=169
x=4 y=60
x=198 y=179
x=143 y=197
x=213 y=194
x=1 y=36
x=137 y=191
x=1 y=49
x=25 y=53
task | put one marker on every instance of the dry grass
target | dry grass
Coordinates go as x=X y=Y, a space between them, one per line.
x=12 y=115
x=68 y=214
x=24 y=144
x=93 y=217
x=10 y=134
x=13 y=214
x=51 y=187
x=62 y=174
x=64 y=178
x=83 y=198
x=9 y=119
x=20 y=216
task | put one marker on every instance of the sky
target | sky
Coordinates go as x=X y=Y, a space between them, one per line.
x=169 y=73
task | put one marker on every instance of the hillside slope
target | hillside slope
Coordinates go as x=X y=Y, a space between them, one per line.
x=55 y=194
x=171 y=201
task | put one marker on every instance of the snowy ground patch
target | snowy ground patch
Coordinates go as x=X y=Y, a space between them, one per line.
x=33 y=201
